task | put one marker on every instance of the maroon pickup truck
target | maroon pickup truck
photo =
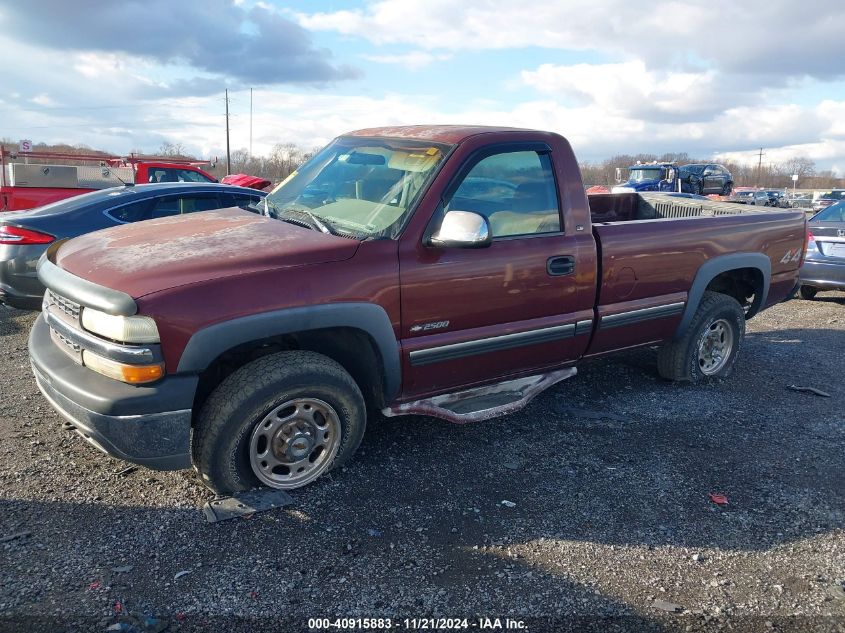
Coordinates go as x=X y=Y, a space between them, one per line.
x=446 y=271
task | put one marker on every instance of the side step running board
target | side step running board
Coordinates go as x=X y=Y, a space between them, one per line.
x=482 y=403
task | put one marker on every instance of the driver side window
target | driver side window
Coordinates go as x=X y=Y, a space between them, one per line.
x=515 y=191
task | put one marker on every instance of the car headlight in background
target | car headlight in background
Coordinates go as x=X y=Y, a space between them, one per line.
x=131 y=329
x=622 y=189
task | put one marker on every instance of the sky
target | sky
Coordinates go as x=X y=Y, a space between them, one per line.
x=715 y=79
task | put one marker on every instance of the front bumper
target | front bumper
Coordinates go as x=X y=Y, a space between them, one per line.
x=146 y=425
x=823 y=275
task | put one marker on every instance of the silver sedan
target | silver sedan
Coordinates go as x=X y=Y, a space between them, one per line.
x=824 y=266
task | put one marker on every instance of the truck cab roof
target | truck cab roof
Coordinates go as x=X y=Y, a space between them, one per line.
x=450 y=134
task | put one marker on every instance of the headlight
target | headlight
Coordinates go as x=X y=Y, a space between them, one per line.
x=133 y=329
x=620 y=189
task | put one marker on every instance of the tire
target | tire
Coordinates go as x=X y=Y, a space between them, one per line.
x=726 y=190
x=312 y=407
x=808 y=292
x=718 y=323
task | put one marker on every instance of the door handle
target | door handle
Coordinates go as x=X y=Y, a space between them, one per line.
x=561 y=265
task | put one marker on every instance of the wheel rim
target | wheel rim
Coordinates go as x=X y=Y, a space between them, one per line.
x=715 y=347
x=294 y=443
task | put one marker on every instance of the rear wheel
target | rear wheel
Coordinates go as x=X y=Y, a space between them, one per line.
x=726 y=190
x=280 y=421
x=808 y=292
x=710 y=346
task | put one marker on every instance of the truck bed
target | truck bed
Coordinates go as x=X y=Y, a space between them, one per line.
x=629 y=207
x=651 y=246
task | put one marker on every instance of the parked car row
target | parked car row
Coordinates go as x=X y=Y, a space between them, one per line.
x=761 y=197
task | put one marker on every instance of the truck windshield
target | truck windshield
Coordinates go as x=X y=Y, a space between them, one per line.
x=361 y=187
x=638 y=174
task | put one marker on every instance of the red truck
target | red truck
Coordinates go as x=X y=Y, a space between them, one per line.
x=37 y=178
x=447 y=271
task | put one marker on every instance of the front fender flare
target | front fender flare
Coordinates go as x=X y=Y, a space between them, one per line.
x=209 y=343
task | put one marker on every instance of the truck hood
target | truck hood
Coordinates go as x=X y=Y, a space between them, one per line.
x=155 y=255
x=641 y=184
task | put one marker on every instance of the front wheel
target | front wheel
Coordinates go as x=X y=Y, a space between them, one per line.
x=280 y=421
x=726 y=190
x=710 y=346
x=808 y=292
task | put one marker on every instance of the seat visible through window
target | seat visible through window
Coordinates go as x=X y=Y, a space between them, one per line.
x=515 y=191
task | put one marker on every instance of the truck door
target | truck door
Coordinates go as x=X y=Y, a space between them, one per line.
x=522 y=305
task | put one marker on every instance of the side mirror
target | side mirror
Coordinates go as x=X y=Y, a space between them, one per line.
x=618 y=174
x=670 y=174
x=462 y=229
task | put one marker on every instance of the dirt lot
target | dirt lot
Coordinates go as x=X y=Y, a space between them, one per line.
x=610 y=474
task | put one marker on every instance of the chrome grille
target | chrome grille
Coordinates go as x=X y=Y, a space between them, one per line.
x=66 y=306
x=67 y=346
x=58 y=308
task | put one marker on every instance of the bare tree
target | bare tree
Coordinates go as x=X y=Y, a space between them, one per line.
x=171 y=149
x=800 y=165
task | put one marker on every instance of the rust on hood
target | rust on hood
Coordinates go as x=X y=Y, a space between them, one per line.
x=145 y=257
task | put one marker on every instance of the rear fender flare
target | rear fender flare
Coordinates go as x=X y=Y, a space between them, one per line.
x=715 y=267
x=209 y=343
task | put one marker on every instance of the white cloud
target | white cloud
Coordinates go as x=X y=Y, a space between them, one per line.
x=703 y=79
x=761 y=36
x=95 y=65
x=43 y=100
x=412 y=60
x=596 y=129
x=823 y=151
x=630 y=88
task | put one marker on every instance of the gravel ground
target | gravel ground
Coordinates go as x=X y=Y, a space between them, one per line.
x=610 y=473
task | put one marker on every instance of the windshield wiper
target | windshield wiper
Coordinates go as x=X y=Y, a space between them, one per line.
x=284 y=214
x=317 y=222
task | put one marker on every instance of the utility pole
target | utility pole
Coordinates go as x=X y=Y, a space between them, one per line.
x=250 y=123
x=760 y=167
x=228 y=154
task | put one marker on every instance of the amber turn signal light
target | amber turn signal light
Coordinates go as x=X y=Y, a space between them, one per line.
x=133 y=374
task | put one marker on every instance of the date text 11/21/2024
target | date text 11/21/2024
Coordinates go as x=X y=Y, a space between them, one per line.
x=417 y=624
